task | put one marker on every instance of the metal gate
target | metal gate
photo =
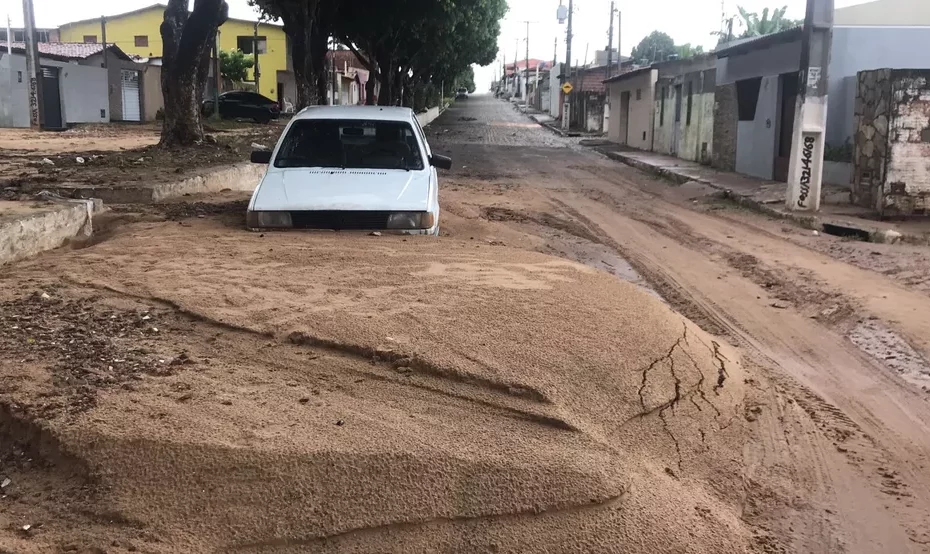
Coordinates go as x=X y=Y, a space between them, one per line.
x=51 y=98
x=132 y=109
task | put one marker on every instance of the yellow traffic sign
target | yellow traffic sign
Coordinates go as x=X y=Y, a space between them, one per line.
x=567 y=88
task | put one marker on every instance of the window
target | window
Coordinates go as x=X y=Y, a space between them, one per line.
x=690 y=101
x=350 y=143
x=662 y=108
x=19 y=76
x=90 y=39
x=245 y=43
x=639 y=94
x=747 y=96
x=19 y=36
x=142 y=40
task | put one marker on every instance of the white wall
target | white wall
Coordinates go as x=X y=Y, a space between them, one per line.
x=638 y=127
x=555 y=93
x=756 y=139
x=83 y=92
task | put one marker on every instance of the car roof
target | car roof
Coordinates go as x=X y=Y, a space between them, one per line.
x=385 y=113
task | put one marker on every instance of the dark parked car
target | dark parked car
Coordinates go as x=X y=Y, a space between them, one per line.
x=246 y=105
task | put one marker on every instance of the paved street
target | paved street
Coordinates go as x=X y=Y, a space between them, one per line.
x=499 y=389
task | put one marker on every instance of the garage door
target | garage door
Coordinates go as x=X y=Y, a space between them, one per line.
x=132 y=109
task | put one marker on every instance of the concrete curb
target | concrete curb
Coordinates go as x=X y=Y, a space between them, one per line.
x=815 y=222
x=242 y=176
x=46 y=230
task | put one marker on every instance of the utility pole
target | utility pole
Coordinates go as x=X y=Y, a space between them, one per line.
x=516 y=55
x=32 y=66
x=257 y=71
x=619 y=41
x=610 y=42
x=217 y=79
x=103 y=38
x=526 y=82
x=555 y=53
x=332 y=65
x=805 y=170
x=566 y=104
x=9 y=49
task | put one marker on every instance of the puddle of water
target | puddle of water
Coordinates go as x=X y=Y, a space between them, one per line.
x=601 y=257
x=883 y=344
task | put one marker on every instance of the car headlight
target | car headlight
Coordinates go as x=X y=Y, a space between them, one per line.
x=410 y=220
x=268 y=219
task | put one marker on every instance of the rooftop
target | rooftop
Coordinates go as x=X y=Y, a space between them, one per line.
x=67 y=50
x=379 y=113
x=158 y=6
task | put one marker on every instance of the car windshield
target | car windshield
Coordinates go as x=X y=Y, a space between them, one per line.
x=350 y=143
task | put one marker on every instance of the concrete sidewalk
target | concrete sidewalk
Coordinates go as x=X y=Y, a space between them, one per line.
x=837 y=214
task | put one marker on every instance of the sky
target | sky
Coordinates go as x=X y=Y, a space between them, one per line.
x=685 y=20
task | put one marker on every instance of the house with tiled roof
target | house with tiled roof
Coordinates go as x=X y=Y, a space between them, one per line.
x=123 y=88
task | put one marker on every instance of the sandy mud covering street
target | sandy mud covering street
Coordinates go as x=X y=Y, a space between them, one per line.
x=190 y=387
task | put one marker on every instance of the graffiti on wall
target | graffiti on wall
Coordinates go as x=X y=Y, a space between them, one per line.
x=34 y=101
x=807 y=168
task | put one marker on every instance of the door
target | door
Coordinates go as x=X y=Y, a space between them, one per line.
x=132 y=99
x=625 y=117
x=676 y=129
x=51 y=98
x=787 y=106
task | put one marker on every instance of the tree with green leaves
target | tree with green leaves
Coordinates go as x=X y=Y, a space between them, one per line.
x=759 y=26
x=234 y=65
x=655 y=47
x=466 y=80
x=685 y=51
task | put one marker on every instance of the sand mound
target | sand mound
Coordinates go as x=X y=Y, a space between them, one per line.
x=390 y=394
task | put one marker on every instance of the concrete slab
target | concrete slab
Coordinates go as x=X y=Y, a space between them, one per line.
x=28 y=228
x=243 y=177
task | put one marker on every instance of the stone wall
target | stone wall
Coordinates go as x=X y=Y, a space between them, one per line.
x=892 y=142
x=726 y=118
x=871 y=112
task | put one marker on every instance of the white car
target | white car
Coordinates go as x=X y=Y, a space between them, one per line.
x=349 y=168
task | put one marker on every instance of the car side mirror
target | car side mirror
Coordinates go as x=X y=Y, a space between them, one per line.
x=442 y=162
x=261 y=156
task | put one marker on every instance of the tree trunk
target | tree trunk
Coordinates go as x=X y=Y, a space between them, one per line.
x=370 y=99
x=386 y=71
x=187 y=41
x=322 y=67
x=299 y=32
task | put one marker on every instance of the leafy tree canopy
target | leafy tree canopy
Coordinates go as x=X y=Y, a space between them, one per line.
x=655 y=47
x=234 y=65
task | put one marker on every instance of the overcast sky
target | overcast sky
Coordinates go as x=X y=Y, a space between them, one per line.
x=685 y=20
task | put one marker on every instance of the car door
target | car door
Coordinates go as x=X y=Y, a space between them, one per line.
x=255 y=106
x=434 y=175
x=229 y=104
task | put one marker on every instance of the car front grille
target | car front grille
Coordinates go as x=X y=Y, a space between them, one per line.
x=340 y=220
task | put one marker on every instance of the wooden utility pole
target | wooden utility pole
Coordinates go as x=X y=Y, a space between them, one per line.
x=32 y=66
x=526 y=82
x=805 y=170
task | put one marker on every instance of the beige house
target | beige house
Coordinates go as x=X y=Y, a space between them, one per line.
x=632 y=107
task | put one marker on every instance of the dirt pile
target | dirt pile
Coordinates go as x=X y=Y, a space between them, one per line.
x=371 y=394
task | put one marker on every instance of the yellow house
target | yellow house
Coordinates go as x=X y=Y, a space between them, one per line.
x=137 y=32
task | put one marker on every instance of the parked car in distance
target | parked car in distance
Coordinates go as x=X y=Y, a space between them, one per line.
x=245 y=105
x=349 y=168
x=461 y=93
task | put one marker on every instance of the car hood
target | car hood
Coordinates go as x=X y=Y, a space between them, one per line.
x=296 y=189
